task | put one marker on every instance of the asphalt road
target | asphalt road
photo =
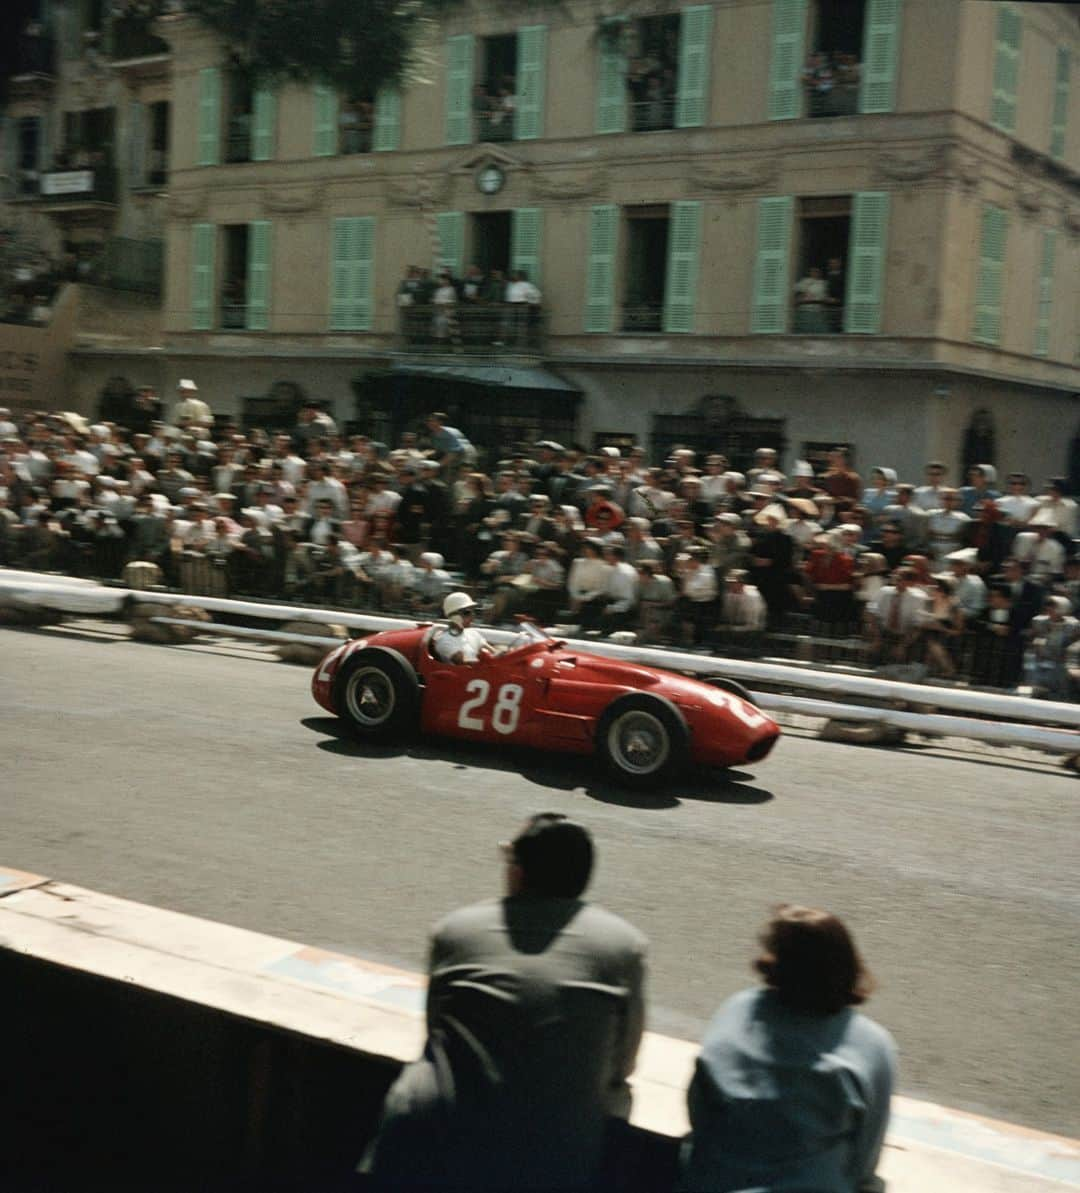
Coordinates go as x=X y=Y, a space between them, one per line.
x=205 y=779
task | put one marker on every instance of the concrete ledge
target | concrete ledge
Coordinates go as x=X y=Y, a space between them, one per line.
x=318 y=1000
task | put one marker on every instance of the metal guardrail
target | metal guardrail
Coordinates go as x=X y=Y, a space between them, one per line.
x=468 y=327
x=1017 y=720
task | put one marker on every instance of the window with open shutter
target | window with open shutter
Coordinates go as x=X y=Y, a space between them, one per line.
x=866 y=262
x=387 y=136
x=611 y=89
x=460 y=56
x=695 y=45
x=264 y=111
x=258 y=276
x=988 y=286
x=680 y=285
x=600 y=267
x=209 y=116
x=771 y=266
x=1045 y=296
x=525 y=247
x=326 y=121
x=1006 y=68
x=1059 y=115
x=352 y=274
x=203 y=242
x=881 y=43
x=450 y=226
x=136 y=144
x=531 y=66
x=785 y=67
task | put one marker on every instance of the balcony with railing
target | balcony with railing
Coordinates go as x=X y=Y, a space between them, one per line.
x=137 y=266
x=651 y=115
x=72 y=186
x=831 y=84
x=238 y=138
x=640 y=317
x=130 y=39
x=496 y=125
x=481 y=329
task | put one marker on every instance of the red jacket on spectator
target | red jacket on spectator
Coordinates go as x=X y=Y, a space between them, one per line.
x=829 y=567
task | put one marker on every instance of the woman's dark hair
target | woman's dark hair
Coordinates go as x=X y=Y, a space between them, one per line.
x=555 y=855
x=809 y=958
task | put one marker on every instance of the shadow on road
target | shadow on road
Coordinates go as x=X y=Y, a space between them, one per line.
x=561 y=772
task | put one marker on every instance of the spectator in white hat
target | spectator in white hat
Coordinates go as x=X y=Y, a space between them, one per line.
x=190 y=408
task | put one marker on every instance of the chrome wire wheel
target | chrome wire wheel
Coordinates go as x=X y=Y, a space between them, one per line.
x=638 y=742
x=370 y=697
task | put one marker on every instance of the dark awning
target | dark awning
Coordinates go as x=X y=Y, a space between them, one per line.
x=494 y=376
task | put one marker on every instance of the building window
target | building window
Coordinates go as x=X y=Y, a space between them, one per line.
x=88 y=139
x=158 y=144
x=239 y=107
x=495 y=93
x=646 y=268
x=234 y=282
x=356 y=124
x=824 y=230
x=833 y=68
x=28 y=151
x=652 y=72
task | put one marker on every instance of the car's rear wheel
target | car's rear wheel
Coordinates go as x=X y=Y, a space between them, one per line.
x=642 y=740
x=730 y=685
x=377 y=694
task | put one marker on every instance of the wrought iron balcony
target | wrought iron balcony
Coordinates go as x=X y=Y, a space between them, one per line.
x=640 y=317
x=651 y=115
x=481 y=329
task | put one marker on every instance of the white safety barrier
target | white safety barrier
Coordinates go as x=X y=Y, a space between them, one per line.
x=1005 y=709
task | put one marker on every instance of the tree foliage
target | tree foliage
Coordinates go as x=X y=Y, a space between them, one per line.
x=356 y=46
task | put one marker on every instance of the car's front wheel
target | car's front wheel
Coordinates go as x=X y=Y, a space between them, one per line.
x=642 y=740
x=377 y=694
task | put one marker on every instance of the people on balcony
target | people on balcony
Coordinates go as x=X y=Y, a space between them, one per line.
x=831 y=82
x=479 y=311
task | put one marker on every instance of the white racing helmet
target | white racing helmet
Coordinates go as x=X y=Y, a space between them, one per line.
x=457 y=602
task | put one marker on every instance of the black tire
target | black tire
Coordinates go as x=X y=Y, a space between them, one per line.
x=730 y=685
x=642 y=740
x=376 y=693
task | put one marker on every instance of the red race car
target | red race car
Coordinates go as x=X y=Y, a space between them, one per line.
x=644 y=723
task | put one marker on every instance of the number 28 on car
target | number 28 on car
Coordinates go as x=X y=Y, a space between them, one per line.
x=642 y=722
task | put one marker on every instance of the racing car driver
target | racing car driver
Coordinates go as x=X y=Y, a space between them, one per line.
x=459 y=642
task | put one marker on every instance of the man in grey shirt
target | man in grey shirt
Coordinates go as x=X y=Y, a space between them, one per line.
x=535 y=1012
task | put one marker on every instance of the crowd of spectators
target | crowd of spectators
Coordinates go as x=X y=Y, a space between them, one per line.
x=482 y=309
x=976 y=583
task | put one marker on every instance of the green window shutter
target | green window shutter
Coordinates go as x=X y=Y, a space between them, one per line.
x=264 y=111
x=258 y=276
x=680 y=288
x=326 y=121
x=866 y=263
x=881 y=44
x=785 y=85
x=1059 y=118
x=526 y=241
x=136 y=144
x=352 y=274
x=770 y=299
x=695 y=43
x=387 y=136
x=600 y=267
x=611 y=90
x=1006 y=68
x=1046 y=293
x=531 y=63
x=460 y=56
x=450 y=226
x=209 y=117
x=203 y=242
x=995 y=227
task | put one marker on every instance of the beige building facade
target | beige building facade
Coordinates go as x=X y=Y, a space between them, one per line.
x=670 y=179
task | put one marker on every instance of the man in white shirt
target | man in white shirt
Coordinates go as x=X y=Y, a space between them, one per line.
x=696 y=607
x=928 y=497
x=1057 y=509
x=459 y=642
x=743 y=609
x=897 y=618
x=1040 y=550
x=1017 y=504
x=324 y=487
x=623 y=584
